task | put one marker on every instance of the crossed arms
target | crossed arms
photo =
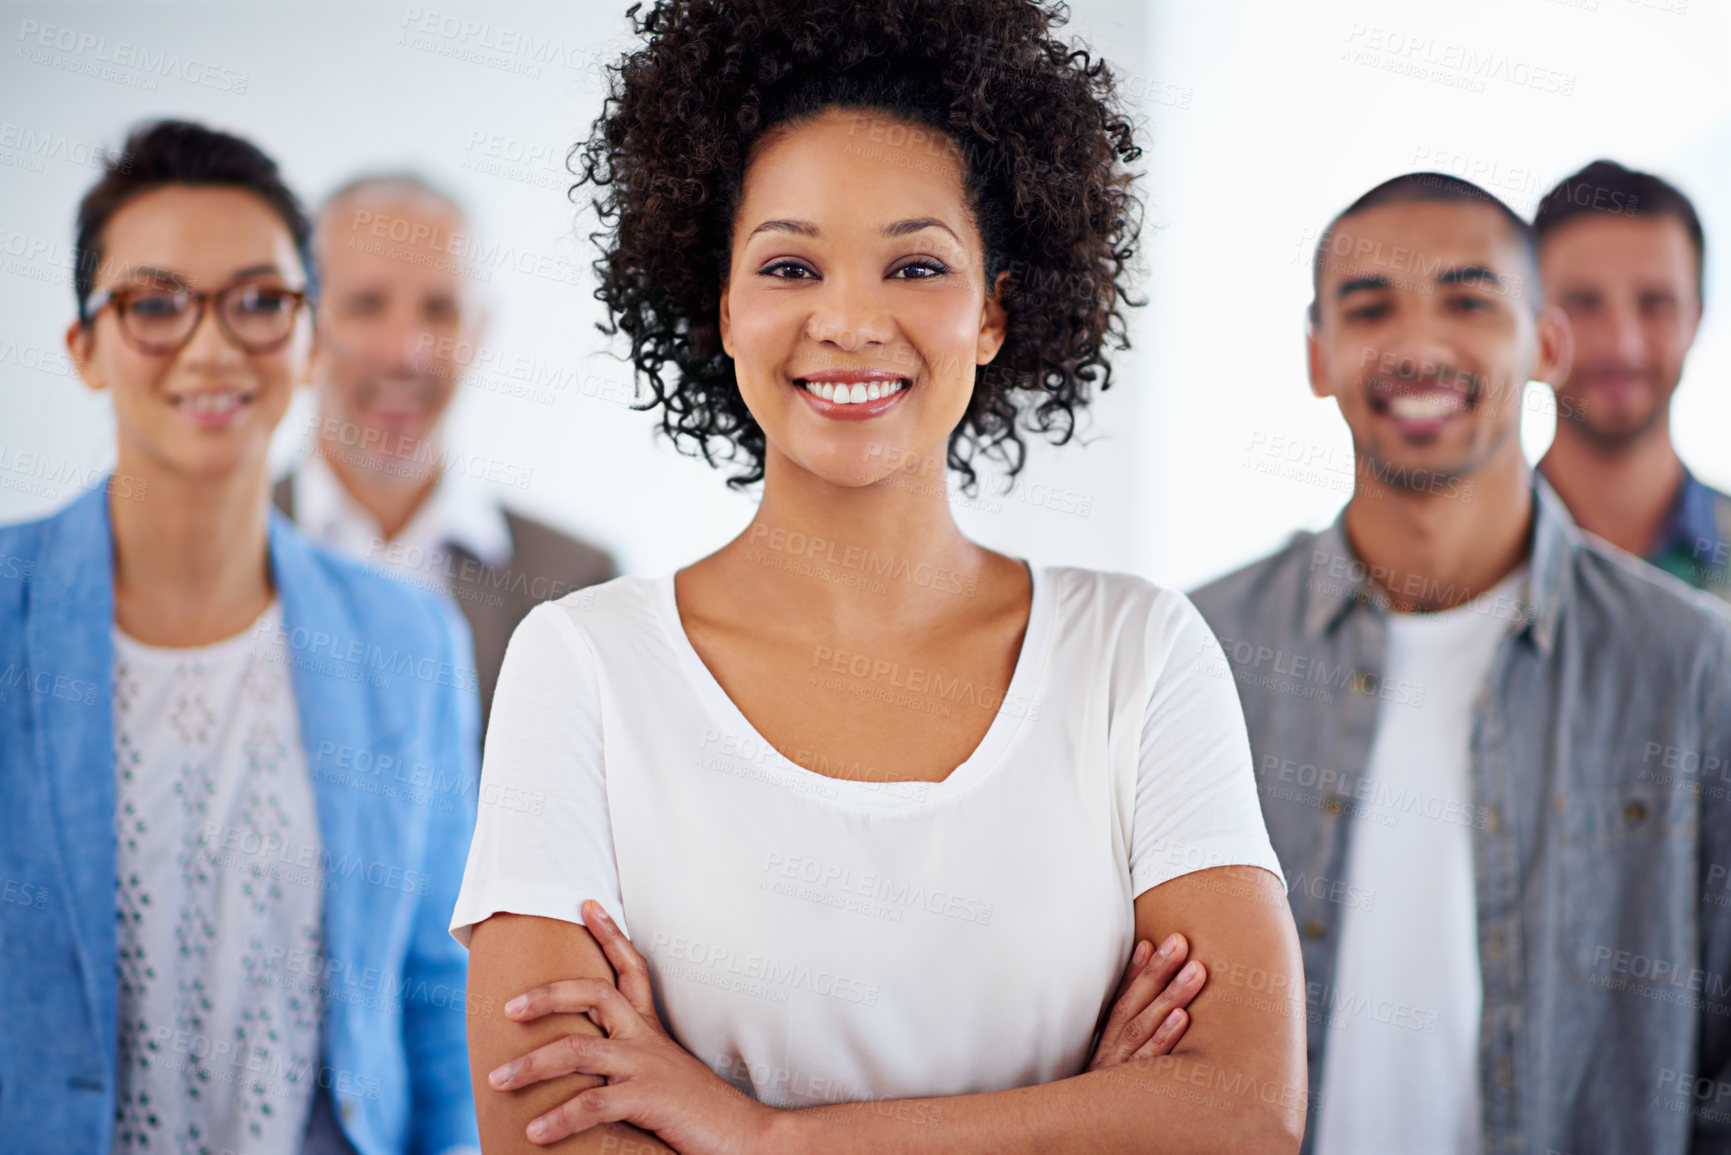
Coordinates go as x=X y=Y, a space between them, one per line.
x=1235 y=1081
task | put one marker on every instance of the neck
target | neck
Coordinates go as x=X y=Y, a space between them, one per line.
x=191 y=557
x=894 y=555
x=1622 y=495
x=391 y=497
x=1434 y=551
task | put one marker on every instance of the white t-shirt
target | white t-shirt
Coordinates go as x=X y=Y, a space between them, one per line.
x=217 y=874
x=1401 y=1068
x=815 y=939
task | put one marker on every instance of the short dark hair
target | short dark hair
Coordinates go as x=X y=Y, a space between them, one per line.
x=1426 y=188
x=167 y=152
x=1607 y=187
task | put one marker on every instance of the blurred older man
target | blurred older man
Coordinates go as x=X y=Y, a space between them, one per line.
x=396 y=315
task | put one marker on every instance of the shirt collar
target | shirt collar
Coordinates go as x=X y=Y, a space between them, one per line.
x=1338 y=580
x=457 y=512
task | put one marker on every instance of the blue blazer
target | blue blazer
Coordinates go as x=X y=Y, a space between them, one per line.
x=389 y=715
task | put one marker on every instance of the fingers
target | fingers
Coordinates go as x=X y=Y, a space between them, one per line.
x=597 y=998
x=586 y=1109
x=1157 y=1030
x=631 y=967
x=1166 y=1036
x=1136 y=1014
x=570 y=1055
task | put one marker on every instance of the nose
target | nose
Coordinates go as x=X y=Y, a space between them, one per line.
x=394 y=344
x=849 y=313
x=1626 y=341
x=209 y=345
x=1417 y=348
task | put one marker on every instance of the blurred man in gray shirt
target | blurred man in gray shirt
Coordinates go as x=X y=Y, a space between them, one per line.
x=1495 y=760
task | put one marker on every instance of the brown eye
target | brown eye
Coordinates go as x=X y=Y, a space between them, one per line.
x=263 y=301
x=775 y=270
x=927 y=268
x=157 y=306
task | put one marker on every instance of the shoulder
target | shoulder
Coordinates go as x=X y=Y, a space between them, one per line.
x=620 y=613
x=1268 y=586
x=537 y=545
x=24 y=546
x=1721 y=500
x=1110 y=611
x=386 y=610
x=1287 y=567
x=1655 y=613
x=21 y=546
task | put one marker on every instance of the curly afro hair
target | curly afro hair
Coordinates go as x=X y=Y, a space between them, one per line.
x=1038 y=127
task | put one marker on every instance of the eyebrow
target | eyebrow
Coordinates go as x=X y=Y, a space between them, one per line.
x=893 y=229
x=1471 y=275
x=146 y=272
x=1362 y=284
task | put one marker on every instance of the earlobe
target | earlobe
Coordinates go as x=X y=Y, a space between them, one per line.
x=994 y=323
x=79 y=347
x=1313 y=361
x=1556 y=347
x=725 y=318
x=315 y=357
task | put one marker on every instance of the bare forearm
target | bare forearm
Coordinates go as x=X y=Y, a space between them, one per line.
x=510 y=954
x=1177 y=1103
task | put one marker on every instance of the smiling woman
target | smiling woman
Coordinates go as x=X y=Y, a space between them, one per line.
x=893 y=821
x=170 y=764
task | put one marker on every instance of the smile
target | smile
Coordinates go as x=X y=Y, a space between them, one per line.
x=213 y=401
x=211 y=408
x=854 y=393
x=1431 y=406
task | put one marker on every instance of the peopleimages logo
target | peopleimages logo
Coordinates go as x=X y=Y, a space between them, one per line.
x=86 y=51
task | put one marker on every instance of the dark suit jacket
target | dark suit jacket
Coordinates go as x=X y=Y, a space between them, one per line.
x=544 y=565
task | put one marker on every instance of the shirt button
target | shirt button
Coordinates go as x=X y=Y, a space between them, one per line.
x=1504 y=1071
x=1493 y=817
x=1332 y=806
x=348 y=1109
x=1634 y=812
x=1362 y=682
x=1315 y=930
x=1495 y=947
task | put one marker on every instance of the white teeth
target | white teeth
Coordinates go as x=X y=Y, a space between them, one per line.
x=855 y=394
x=1424 y=406
x=213 y=402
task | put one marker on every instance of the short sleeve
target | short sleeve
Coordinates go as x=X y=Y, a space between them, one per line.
x=543 y=839
x=1196 y=804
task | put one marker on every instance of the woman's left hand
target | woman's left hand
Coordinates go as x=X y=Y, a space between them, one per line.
x=651 y=1081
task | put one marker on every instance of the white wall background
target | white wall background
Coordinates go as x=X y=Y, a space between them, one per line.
x=1261 y=118
x=1296 y=109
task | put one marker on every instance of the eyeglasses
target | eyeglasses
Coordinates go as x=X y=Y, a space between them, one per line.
x=258 y=317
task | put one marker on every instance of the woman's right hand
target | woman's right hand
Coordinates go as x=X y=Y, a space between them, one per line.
x=1148 y=1014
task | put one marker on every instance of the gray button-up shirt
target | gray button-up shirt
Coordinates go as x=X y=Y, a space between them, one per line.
x=1600 y=761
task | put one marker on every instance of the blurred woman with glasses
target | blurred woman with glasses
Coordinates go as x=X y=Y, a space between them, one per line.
x=235 y=934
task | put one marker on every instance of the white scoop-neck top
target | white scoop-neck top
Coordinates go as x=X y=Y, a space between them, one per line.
x=816 y=939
